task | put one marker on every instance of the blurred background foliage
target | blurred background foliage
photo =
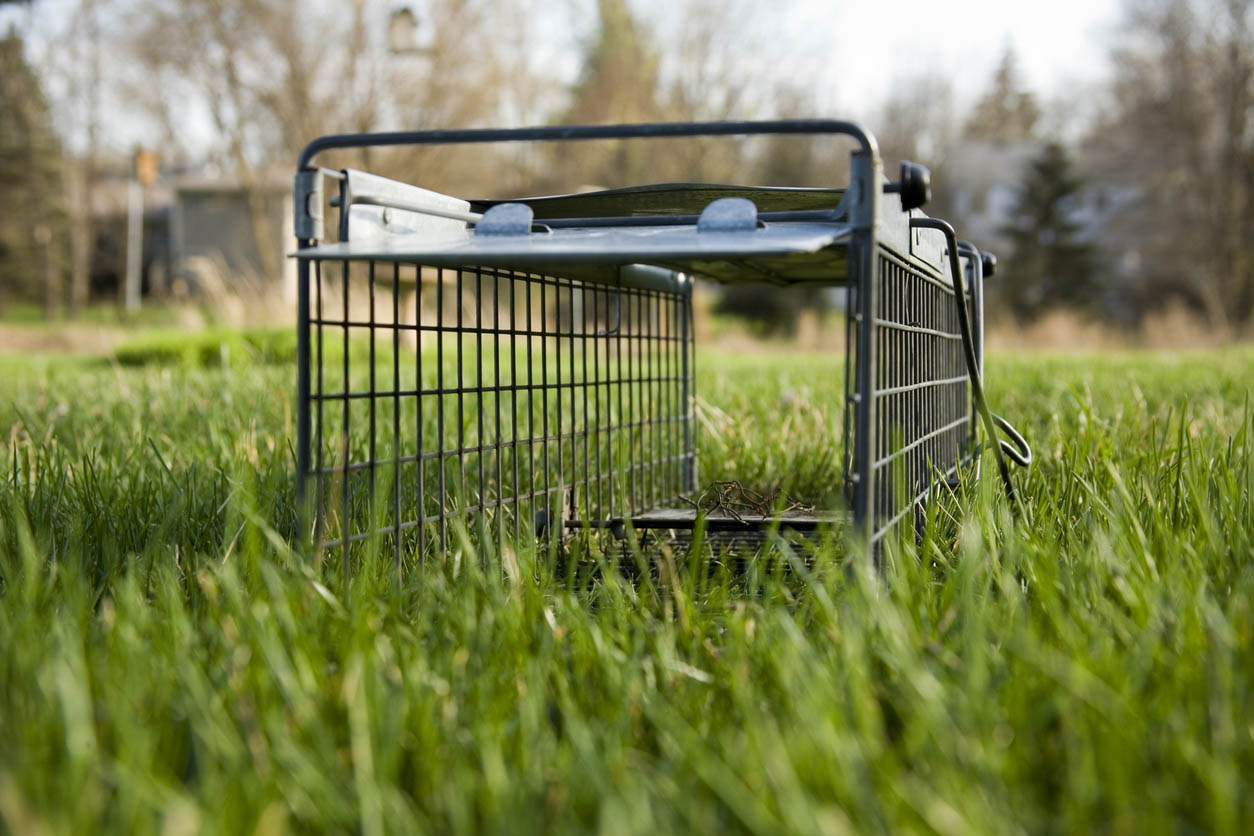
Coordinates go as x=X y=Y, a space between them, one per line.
x=1131 y=197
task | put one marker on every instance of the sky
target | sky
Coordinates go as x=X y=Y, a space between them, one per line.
x=853 y=51
x=1060 y=45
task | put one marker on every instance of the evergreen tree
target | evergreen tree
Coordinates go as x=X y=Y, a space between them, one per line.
x=32 y=233
x=1007 y=112
x=1051 y=262
x=618 y=83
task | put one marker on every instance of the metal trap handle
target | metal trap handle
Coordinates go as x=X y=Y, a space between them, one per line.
x=564 y=133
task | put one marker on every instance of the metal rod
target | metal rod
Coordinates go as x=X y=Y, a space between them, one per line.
x=374 y=388
x=418 y=208
x=396 y=417
x=479 y=388
x=865 y=140
x=865 y=255
x=418 y=416
x=990 y=426
x=345 y=488
x=302 y=391
x=439 y=412
x=318 y=487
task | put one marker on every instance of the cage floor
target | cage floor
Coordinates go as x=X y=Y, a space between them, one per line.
x=685 y=519
x=723 y=533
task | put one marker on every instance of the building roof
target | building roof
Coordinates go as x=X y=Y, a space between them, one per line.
x=273 y=182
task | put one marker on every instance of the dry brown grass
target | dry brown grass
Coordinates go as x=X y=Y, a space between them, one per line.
x=66 y=339
x=1172 y=328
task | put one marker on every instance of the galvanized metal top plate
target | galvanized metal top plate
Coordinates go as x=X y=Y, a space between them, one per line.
x=781 y=253
x=593 y=234
x=670 y=199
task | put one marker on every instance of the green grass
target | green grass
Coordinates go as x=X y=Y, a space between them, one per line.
x=210 y=348
x=168 y=662
x=151 y=315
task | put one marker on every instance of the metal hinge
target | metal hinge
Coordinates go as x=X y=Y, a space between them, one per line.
x=307 y=201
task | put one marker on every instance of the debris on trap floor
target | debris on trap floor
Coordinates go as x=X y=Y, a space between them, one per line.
x=735 y=500
x=729 y=517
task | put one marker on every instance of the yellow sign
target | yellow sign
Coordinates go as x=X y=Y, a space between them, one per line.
x=146 y=167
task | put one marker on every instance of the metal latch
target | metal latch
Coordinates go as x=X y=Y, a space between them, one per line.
x=506 y=219
x=729 y=214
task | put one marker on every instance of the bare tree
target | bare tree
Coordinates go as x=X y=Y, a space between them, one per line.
x=85 y=35
x=918 y=122
x=472 y=63
x=619 y=81
x=273 y=74
x=30 y=177
x=685 y=60
x=249 y=65
x=711 y=70
x=1178 y=132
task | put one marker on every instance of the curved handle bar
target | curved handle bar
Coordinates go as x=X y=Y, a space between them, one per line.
x=563 y=133
x=1015 y=446
x=991 y=422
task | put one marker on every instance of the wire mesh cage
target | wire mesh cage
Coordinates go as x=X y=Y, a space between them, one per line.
x=510 y=369
x=925 y=414
x=509 y=401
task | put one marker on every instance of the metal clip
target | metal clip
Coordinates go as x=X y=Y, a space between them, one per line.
x=729 y=214
x=307 y=205
x=506 y=219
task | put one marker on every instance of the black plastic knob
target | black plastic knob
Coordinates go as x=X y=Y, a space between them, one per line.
x=915 y=185
x=988 y=262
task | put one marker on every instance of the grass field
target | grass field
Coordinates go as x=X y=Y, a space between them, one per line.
x=169 y=663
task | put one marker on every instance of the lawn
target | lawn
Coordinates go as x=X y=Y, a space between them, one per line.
x=169 y=662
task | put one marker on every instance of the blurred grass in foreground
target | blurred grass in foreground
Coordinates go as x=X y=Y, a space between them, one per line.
x=167 y=662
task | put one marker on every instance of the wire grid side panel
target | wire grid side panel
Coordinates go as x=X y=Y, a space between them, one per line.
x=495 y=400
x=923 y=427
